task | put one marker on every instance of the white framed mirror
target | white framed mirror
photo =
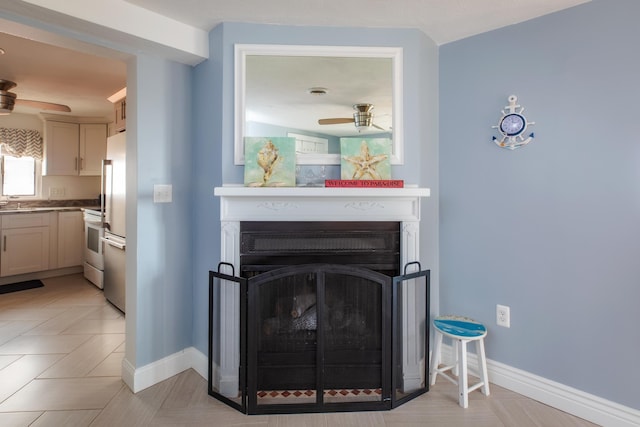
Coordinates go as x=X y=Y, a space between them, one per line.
x=315 y=91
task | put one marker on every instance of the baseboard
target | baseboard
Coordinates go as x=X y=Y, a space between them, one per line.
x=567 y=399
x=160 y=370
x=573 y=401
x=200 y=363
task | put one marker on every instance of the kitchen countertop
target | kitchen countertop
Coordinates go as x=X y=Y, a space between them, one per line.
x=33 y=206
x=44 y=209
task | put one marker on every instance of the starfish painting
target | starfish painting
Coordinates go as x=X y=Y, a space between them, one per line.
x=366 y=163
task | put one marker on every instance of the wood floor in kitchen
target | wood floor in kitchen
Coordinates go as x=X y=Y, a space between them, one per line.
x=61 y=349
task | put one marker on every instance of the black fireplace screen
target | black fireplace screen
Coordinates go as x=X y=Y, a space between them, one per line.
x=320 y=320
x=319 y=337
x=313 y=317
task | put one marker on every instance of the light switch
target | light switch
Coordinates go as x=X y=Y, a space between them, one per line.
x=162 y=193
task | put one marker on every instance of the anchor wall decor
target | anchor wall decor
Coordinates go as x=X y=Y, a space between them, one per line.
x=512 y=125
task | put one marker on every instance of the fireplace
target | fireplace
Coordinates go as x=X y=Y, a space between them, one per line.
x=321 y=315
x=266 y=245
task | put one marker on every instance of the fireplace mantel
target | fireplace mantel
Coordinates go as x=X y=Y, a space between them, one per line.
x=240 y=203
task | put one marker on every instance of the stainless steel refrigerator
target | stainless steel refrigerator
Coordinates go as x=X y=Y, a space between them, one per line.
x=115 y=236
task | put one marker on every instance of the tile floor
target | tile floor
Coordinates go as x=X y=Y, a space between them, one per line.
x=61 y=348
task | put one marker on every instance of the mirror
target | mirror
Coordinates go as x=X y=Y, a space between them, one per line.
x=285 y=90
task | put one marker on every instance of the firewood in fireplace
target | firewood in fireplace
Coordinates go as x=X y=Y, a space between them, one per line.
x=307 y=321
x=301 y=303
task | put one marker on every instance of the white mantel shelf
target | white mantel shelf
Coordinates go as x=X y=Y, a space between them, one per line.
x=239 y=203
x=232 y=190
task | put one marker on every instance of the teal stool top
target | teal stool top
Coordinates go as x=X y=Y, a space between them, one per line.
x=460 y=327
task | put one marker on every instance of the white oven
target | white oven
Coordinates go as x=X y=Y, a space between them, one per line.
x=93 y=256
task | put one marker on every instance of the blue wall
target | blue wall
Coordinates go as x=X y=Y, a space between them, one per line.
x=411 y=40
x=208 y=115
x=552 y=229
x=214 y=127
x=158 y=235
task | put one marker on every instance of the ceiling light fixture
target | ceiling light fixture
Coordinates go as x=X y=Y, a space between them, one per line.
x=362 y=117
x=362 y=120
x=318 y=91
x=7 y=99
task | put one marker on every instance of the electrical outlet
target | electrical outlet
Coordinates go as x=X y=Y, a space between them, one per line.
x=56 y=192
x=503 y=316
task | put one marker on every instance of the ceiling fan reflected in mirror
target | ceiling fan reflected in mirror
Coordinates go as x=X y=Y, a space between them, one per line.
x=8 y=100
x=362 y=118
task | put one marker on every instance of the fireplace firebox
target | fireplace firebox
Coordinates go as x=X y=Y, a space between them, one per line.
x=266 y=245
x=321 y=319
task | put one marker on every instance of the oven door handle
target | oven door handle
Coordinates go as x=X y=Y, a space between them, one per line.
x=113 y=243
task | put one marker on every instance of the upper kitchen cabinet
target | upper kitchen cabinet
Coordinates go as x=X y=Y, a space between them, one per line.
x=73 y=148
x=120 y=123
x=119 y=101
x=61 y=148
x=93 y=148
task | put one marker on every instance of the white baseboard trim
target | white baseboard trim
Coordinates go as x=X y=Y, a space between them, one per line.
x=160 y=370
x=562 y=397
x=573 y=401
x=200 y=363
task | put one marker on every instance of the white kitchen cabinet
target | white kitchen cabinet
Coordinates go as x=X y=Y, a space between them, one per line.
x=73 y=148
x=61 y=148
x=93 y=148
x=25 y=243
x=120 y=123
x=70 y=239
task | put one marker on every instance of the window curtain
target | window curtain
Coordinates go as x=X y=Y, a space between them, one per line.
x=21 y=143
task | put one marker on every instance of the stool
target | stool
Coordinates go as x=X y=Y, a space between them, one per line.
x=461 y=330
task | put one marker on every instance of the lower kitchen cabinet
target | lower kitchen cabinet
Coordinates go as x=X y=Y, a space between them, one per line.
x=24 y=250
x=70 y=239
x=32 y=242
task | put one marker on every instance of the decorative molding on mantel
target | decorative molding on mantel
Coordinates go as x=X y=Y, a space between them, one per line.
x=239 y=203
x=242 y=191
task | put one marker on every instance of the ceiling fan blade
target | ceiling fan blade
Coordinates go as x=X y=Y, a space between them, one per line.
x=335 y=121
x=6 y=84
x=43 y=105
x=378 y=127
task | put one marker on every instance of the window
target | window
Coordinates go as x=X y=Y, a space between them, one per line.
x=310 y=144
x=20 y=163
x=20 y=177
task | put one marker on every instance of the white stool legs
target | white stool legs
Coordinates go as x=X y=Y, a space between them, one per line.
x=459 y=366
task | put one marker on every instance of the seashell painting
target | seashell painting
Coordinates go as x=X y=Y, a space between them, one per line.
x=269 y=162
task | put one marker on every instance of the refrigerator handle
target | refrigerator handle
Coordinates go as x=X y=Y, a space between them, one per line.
x=103 y=191
x=112 y=243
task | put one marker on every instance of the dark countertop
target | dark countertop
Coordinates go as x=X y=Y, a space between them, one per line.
x=40 y=209
x=13 y=207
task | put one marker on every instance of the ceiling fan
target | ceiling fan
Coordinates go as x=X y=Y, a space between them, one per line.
x=9 y=99
x=362 y=118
